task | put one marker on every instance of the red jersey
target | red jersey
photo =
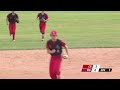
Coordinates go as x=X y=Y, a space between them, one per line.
x=40 y=16
x=57 y=45
x=12 y=18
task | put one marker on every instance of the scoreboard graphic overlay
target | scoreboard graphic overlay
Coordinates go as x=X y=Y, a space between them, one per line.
x=95 y=68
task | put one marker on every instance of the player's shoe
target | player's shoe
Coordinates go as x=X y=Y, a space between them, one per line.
x=58 y=77
x=13 y=40
x=42 y=39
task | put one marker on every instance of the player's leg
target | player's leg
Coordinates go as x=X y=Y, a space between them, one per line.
x=10 y=29
x=58 y=67
x=40 y=27
x=42 y=30
x=14 y=31
x=52 y=69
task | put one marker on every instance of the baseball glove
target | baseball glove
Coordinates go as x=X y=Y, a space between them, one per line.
x=17 y=21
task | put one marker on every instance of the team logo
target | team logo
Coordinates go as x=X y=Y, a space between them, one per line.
x=58 y=47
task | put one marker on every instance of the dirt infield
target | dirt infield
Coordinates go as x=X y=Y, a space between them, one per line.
x=34 y=64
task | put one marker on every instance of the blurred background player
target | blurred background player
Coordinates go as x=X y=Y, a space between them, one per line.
x=54 y=48
x=43 y=18
x=12 y=19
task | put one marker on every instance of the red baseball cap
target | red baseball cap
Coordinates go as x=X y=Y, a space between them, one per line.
x=54 y=33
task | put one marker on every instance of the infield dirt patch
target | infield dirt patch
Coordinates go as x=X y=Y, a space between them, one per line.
x=34 y=64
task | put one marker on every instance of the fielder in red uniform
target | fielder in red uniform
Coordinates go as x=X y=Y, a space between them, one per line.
x=12 y=19
x=43 y=18
x=54 y=48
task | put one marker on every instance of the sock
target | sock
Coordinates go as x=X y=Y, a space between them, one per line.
x=13 y=36
x=42 y=36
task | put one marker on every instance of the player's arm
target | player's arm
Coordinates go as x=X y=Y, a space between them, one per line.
x=46 y=18
x=7 y=22
x=37 y=17
x=66 y=49
x=48 y=50
x=17 y=17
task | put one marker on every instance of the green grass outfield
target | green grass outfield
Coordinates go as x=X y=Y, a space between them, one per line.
x=80 y=29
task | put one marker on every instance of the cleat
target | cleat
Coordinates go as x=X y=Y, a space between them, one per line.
x=42 y=40
x=13 y=40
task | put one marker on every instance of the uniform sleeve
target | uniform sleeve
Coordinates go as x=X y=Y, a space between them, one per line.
x=63 y=43
x=8 y=16
x=47 y=16
x=47 y=45
x=38 y=15
x=17 y=16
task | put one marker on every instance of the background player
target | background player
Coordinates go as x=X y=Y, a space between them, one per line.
x=54 y=48
x=12 y=19
x=43 y=18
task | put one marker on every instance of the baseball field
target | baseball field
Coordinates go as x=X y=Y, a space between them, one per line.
x=93 y=37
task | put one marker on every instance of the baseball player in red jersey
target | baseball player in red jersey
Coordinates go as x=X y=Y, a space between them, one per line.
x=54 y=48
x=12 y=19
x=43 y=18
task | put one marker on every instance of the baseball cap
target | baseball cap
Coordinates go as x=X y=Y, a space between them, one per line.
x=54 y=33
